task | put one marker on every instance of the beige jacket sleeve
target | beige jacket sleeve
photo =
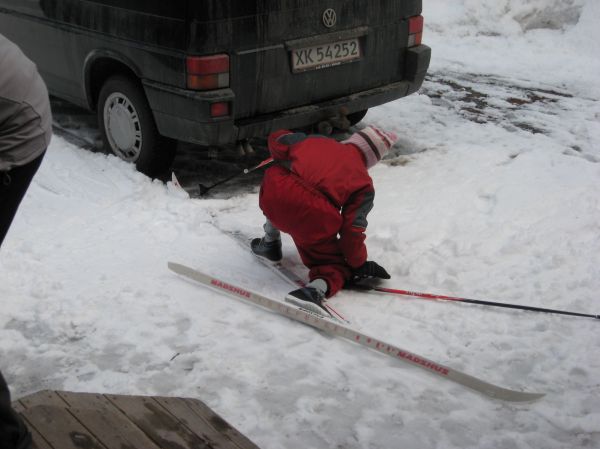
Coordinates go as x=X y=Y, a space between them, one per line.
x=25 y=117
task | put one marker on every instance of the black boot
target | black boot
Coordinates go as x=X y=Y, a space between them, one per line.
x=268 y=250
x=309 y=298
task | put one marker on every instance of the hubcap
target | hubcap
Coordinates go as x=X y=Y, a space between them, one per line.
x=123 y=127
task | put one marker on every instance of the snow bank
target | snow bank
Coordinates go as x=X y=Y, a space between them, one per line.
x=549 y=41
x=586 y=34
x=502 y=17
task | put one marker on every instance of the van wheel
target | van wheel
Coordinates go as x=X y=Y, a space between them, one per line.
x=128 y=127
x=357 y=116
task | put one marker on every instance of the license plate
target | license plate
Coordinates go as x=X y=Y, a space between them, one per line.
x=326 y=55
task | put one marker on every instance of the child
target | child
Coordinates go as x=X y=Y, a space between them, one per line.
x=320 y=193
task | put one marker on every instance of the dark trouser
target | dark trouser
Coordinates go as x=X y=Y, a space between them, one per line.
x=13 y=185
x=13 y=432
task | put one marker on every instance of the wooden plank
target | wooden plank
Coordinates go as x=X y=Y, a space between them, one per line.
x=45 y=397
x=68 y=420
x=114 y=430
x=157 y=423
x=38 y=442
x=18 y=406
x=200 y=426
x=86 y=400
x=222 y=426
x=60 y=429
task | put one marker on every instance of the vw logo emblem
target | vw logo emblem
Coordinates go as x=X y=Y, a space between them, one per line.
x=329 y=18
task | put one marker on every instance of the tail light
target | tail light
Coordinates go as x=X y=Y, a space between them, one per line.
x=220 y=109
x=207 y=72
x=415 y=31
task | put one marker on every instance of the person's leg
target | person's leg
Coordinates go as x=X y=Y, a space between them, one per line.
x=272 y=234
x=13 y=185
x=13 y=432
x=328 y=273
x=268 y=246
x=325 y=261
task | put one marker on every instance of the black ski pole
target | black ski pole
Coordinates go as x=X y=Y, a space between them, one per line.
x=204 y=189
x=473 y=301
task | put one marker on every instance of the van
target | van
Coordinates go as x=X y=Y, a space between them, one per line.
x=218 y=72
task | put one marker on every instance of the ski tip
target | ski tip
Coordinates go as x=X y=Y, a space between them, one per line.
x=493 y=391
x=516 y=396
x=177 y=268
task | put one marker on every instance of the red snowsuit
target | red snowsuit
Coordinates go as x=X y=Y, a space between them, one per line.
x=326 y=192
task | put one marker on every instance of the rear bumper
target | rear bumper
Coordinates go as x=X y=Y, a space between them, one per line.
x=185 y=115
x=307 y=115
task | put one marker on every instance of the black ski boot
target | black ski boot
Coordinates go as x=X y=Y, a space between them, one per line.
x=268 y=250
x=309 y=298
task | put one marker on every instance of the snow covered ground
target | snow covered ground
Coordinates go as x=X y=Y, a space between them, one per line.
x=493 y=192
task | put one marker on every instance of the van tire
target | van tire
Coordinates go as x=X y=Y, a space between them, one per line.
x=128 y=128
x=357 y=116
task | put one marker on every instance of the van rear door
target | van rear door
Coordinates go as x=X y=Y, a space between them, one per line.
x=289 y=53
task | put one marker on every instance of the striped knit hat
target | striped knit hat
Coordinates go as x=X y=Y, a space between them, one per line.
x=373 y=142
